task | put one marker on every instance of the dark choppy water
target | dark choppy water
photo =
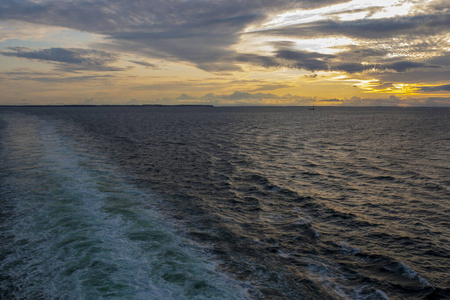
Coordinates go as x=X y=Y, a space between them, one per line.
x=224 y=203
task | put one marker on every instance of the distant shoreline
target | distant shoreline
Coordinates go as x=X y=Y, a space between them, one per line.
x=203 y=105
x=111 y=105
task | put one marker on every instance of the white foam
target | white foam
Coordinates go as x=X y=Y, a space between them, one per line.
x=408 y=273
x=81 y=231
x=333 y=278
x=347 y=249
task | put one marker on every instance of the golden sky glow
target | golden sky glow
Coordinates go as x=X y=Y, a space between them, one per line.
x=225 y=52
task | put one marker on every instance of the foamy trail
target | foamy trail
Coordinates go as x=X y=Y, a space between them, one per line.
x=72 y=228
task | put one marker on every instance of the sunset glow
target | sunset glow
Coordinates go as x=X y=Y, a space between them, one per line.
x=225 y=52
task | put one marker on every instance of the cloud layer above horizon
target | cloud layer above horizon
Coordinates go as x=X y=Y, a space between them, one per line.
x=152 y=50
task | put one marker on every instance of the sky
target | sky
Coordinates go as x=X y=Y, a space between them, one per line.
x=230 y=52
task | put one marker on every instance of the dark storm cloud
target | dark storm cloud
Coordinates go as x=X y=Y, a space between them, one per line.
x=199 y=32
x=70 y=60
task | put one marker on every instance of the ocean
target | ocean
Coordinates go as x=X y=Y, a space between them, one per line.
x=153 y=202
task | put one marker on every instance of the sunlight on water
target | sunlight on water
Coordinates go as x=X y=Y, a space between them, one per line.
x=166 y=202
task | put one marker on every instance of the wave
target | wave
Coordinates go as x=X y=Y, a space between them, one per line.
x=76 y=229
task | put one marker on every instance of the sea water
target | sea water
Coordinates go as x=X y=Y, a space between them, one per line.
x=224 y=203
x=73 y=228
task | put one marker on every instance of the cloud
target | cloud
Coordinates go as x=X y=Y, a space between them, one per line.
x=310 y=76
x=402 y=66
x=331 y=101
x=441 y=60
x=363 y=52
x=288 y=58
x=145 y=64
x=191 y=85
x=200 y=32
x=311 y=61
x=271 y=87
x=353 y=67
x=245 y=98
x=71 y=56
x=69 y=60
x=258 y=60
x=420 y=75
x=438 y=88
x=89 y=101
x=236 y=98
x=416 y=25
x=52 y=77
x=370 y=11
x=398 y=44
x=314 y=61
x=15 y=29
x=184 y=97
